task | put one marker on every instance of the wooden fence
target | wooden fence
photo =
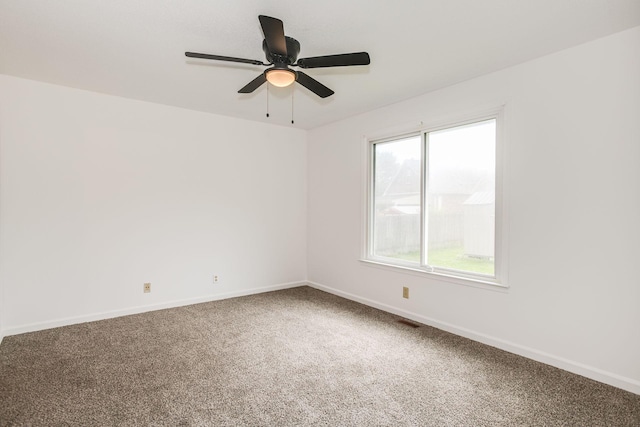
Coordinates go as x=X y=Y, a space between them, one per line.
x=400 y=233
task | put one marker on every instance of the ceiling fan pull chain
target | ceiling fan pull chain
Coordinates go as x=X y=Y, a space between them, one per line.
x=292 y=92
x=267 y=99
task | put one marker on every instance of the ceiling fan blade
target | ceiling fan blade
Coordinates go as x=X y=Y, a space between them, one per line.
x=313 y=85
x=254 y=84
x=223 y=58
x=273 y=30
x=342 y=60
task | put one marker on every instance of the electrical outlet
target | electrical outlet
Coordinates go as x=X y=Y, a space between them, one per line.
x=405 y=292
x=215 y=279
x=147 y=288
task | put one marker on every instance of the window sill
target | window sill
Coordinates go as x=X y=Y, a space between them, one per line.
x=475 y=283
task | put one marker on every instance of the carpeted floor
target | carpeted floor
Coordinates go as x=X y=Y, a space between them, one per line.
x=292 y=357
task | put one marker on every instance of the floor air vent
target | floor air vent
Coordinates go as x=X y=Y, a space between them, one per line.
x=408 y=323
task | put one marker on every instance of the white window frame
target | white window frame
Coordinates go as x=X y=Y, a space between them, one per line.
x=499 y=280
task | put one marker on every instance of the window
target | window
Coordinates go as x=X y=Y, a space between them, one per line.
x=433 y=202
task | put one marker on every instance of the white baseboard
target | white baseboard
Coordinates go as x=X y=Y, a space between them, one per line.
x=559 y=362
x=39 y=326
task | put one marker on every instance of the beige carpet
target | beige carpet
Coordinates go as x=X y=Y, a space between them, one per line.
x=292 y=357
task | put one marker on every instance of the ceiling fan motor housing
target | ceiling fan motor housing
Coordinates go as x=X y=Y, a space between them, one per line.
x=293 y=49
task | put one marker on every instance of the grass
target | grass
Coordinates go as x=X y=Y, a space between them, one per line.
x=452 y=258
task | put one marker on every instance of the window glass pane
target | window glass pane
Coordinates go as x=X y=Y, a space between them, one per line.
x=396 y=217
x=461 y=198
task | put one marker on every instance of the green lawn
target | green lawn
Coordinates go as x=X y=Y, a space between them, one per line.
x=453 y=258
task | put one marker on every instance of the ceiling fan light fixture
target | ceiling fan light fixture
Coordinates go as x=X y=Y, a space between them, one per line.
x=280 y=77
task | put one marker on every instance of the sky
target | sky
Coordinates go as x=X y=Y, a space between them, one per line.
x=468 y=147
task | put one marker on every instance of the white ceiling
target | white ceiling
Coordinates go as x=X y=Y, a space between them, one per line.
x=135 y=48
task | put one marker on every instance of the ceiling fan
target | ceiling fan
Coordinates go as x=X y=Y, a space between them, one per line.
x=282 y=52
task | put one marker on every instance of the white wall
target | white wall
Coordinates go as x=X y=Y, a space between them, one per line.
x=100 y=194
x=1 y=307
x=573 y=200
x=1 y=203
